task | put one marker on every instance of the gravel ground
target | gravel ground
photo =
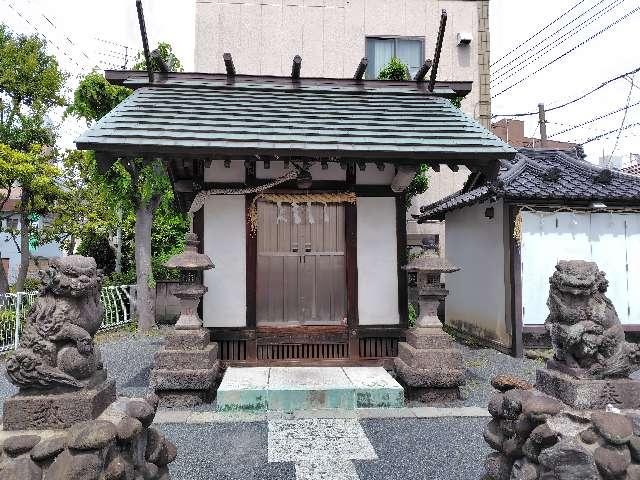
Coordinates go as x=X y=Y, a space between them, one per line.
x=129 y=359
x=440 y=449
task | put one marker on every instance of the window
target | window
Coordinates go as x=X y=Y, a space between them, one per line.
x=381 y=49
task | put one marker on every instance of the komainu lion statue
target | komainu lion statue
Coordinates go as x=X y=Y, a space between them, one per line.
x=586 y=333
x=57 y=347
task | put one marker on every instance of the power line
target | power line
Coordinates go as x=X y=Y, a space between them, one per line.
x=624 y=119
x=538 y=33
x=581 y=97
x=602 y=135
x=546 y=49
x=600 y=117
x=584 y=42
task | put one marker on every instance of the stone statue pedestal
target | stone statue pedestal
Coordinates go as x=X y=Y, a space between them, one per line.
x=34 y=408
x=429 y=365
x=589 y=394
x=186 y=369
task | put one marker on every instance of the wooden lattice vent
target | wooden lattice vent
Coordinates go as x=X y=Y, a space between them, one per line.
x=303 y=351
x=378 y=347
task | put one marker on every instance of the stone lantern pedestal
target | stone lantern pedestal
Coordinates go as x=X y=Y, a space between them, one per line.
x=187 y=368
x=429 y=365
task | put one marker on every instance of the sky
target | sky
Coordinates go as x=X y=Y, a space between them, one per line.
x=95 y=33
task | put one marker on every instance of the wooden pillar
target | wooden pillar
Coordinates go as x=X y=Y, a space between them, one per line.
x=401 y=241
x=351 y=258
x=251 y=285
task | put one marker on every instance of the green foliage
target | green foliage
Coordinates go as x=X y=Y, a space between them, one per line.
x=167 y=239
x=31 y=84
x=394 y=70
x=418 y=185
x=412 y=315
x=457 y=102
x=98 y=247
x=166 y=53
x=32 y=284
x=95 y=97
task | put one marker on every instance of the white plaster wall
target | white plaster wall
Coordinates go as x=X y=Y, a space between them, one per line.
x=217 y=172
x=372 y=176
x=276 y=169
x=224 y=305
x=476 y=301
x=377 y=261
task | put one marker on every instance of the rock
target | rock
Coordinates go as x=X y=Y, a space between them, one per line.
x=163 y=474
x=506 y=382
x=495 y=405
x=21 y=469
x=149 y=471
x=543 y=436
x=142 y=411
x=512 y=403
x=91 y=435
x=77 y=466
x=19 y=444
x=524 y=426
x=567 y=460
x=615 y=428
x=152 y=399
x=612 y=461
x=589 y=436
x=128 y=428
x=159 y=450
x=540 y=407
x=634 y=448
x=48 y=448
x=531 y=450
x=118 y=469
x=498 y=466
x=512 y=448
x=508 y=427
x=493 y=436
x=633 y=472
x=523 y=469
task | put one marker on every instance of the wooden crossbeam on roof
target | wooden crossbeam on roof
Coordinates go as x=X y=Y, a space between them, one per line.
x=228 y=65
x=436 y=55
x=145 y=40
x=295 y=67
x=362 y=67
x=423 y=70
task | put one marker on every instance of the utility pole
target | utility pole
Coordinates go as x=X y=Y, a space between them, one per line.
x=543 y=125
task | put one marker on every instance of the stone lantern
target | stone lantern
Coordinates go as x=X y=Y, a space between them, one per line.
x=187 y=368
x=429 y=365
x=190 y=289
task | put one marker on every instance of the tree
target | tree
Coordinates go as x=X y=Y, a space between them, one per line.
x=394 y=70
x=31 y=85
x=166 y=54
x=35 y=175
x=137 y=183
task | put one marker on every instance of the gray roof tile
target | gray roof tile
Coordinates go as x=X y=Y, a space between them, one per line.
x=545 y=175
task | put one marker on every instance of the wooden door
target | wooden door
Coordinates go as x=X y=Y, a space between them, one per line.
x=301 y=267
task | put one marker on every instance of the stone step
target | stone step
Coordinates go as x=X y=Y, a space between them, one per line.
x=307 y=388
x=187 y=359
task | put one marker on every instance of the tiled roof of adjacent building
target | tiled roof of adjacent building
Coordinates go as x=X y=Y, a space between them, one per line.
x=252 y=116
x=545 y=176
x=632 y=169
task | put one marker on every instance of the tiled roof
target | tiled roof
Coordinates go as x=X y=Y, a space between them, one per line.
x=545 y=175
x=214 y=117
x=632 y=169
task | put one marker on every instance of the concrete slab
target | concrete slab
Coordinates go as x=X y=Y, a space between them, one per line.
x=385 y=413
x=308 y=388
x=243 y=389
x=375 y=387
x=290 y=389
x=435 y=412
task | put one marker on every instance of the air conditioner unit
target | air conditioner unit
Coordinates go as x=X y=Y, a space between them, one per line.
x=464 y=38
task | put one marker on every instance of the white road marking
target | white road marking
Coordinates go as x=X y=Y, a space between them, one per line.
x=321 y=448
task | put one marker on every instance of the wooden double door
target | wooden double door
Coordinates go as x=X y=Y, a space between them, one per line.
x=301 y=276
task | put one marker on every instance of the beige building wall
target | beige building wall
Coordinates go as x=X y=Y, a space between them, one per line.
x=264 y=35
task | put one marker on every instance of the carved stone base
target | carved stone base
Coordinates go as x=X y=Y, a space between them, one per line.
x=37 y=410
x=119 y=444
x=429 y=365
x=186 y=370
x=589 y=394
